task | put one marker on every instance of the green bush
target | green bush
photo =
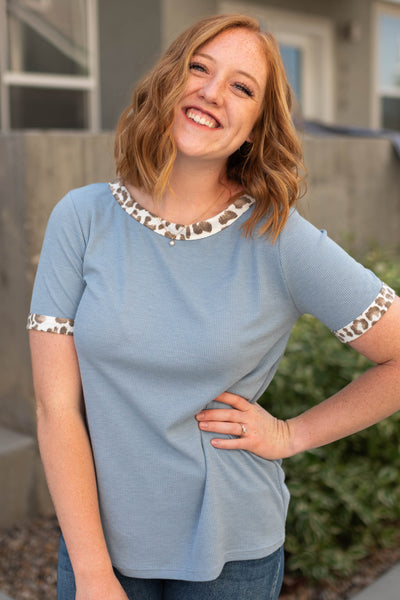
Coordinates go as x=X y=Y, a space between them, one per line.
x=345 y=496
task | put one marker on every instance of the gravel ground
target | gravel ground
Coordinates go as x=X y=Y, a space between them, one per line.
x=28 y=562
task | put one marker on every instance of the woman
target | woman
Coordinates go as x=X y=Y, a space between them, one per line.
x=176 y=288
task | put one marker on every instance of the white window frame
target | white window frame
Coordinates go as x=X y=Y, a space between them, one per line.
x=298 y=28
x=89 y=83
x=380 y=8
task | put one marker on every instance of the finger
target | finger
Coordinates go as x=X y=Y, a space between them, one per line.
x=226 y=428
x=233 y=400
x=229 y=444
x=220 y=414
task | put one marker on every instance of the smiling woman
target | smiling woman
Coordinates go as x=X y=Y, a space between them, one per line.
x=180 y=283
x=216 y=55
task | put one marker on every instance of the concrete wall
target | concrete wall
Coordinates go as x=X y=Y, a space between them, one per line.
x=353 y=192
x=14 y=380
x=36 y=170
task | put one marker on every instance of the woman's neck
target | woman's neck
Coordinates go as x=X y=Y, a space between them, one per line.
x=195 y=192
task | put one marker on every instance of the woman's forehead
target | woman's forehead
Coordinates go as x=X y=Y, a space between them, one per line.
x=241 y=46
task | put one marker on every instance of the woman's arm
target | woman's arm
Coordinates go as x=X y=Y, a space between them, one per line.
x=370 y=398
x=68 y=462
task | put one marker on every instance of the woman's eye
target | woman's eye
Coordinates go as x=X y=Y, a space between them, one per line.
x=244 y=88
x=194 y=66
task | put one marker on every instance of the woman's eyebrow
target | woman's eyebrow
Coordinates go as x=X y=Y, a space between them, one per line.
x=239 y=71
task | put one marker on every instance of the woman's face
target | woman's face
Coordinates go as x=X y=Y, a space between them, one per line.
x=222 y=98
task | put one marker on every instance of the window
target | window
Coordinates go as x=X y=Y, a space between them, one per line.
x=293 y=59
x=49 y=74
x=387 y=81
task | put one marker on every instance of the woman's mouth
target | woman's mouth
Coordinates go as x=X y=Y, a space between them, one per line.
x=201 y=118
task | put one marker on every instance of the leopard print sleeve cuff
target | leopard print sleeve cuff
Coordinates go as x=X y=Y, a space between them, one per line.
x=368 y=318
x=50 y=324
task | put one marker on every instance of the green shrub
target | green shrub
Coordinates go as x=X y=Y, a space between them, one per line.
x=345 y=496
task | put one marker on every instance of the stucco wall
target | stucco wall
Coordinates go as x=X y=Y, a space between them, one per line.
x=177 y=15
x=129 y=44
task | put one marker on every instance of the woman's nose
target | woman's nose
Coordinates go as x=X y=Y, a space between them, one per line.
x=212 y=91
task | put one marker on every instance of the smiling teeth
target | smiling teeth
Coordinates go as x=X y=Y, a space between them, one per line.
x=201 y=120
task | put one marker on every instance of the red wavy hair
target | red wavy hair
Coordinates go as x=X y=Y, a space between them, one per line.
x=270 y=169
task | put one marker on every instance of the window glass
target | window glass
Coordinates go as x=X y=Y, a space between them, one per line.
x=389 y=70
x=41 y=108
x=48 y=36
x=389 y=59
x=390 y=113
x=292 y=60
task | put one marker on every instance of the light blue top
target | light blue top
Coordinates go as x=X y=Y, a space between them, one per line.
x=160 y=332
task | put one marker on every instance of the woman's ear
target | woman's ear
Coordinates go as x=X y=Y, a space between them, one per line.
x=250 y=137
x=245 y=149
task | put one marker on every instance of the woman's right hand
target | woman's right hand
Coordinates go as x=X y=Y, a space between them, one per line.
x=111 y=589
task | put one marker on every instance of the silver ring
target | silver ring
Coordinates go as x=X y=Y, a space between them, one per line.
x=243 y=428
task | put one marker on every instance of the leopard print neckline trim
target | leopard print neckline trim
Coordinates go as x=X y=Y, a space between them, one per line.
x=176 y=231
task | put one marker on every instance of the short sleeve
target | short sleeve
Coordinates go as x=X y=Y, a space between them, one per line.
x=59 y=281
x=325 y=281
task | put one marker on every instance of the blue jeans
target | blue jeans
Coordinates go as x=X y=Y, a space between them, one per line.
x=259 y=579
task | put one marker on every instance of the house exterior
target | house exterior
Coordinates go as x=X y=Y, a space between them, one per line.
x=73 y=63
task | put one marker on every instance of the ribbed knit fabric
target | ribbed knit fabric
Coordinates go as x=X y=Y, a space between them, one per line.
x=160 y=332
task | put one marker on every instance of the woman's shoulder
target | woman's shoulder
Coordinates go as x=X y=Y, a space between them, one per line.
x=80 y=207
x=83 y=202
x=90 y=196
x=298 y=230
x=305 y=247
